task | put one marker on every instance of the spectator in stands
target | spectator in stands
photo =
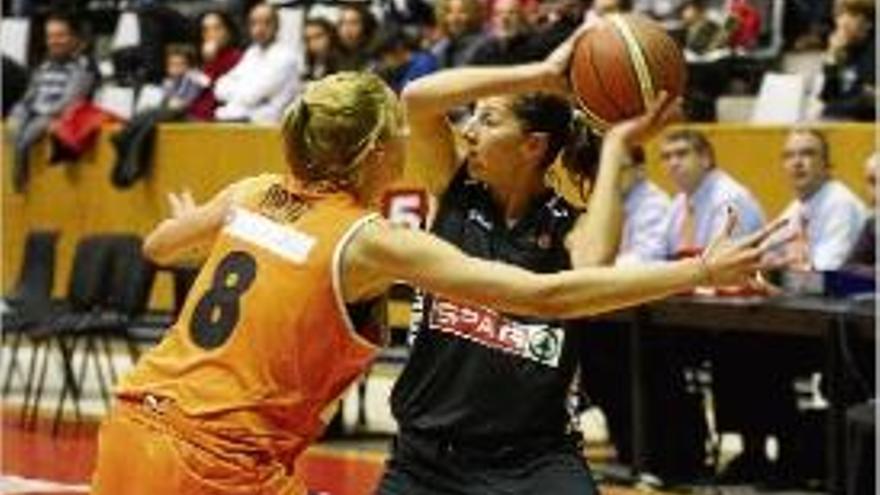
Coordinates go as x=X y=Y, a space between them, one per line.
x=183 y=81
x=850 y=90
x=220 y=52
x=265 y=80
x=645 y=210
x=702 y=33
x=322 y=49
x=400 y=60
x=864 y=254
x=460 y=23
x=65 y=77
x=705 y=194
x=706 y=49
x=357 y=31
x=509 y=39
x=826 y=217
x=134 y=143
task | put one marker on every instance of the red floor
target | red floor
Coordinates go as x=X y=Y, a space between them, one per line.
x=70 y=457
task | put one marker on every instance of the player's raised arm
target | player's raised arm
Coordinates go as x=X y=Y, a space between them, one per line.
x=432 y=157
x=399 y=254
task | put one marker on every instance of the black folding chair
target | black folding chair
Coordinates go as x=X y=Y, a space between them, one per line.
x=87 y=288
x=130 y=279
x=31 y=297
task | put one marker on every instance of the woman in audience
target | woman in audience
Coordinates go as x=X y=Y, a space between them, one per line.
x=356 y=29
x=220 y=53
x=322 y=49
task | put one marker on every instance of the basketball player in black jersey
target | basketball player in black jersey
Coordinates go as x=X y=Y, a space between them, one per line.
x=481 y=404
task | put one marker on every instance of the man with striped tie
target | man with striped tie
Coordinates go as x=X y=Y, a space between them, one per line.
x=706 y=195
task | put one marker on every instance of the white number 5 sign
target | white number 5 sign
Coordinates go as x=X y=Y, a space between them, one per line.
x=408 y=208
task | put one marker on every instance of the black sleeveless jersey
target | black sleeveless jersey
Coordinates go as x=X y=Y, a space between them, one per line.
x=474 y=372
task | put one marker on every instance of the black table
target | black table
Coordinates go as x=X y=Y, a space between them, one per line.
x=832 y=320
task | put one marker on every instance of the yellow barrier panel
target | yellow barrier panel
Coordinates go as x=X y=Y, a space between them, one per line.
x=78 y=198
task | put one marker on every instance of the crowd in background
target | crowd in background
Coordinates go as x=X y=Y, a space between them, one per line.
x=246 y=71
x=236 y=63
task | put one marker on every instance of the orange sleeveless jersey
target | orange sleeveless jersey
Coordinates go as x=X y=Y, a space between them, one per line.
x=264 y=344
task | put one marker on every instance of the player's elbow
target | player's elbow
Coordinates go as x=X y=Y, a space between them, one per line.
x=419 y=101
x=154 y=252
x=547 y=297
x=156 y=248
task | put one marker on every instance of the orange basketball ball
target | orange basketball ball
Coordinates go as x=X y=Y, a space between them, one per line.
x=621 y=65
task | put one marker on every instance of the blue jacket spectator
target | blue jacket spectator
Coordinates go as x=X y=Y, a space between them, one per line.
x=400 y=61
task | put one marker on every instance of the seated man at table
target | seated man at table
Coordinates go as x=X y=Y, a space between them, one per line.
x=826 y=217
x=674 y=425
x=705 y=194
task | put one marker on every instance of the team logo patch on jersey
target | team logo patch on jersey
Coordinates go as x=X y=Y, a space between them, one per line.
x=257 y=229
x=539 y=342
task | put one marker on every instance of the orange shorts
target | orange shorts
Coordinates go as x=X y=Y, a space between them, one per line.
x=152 y=448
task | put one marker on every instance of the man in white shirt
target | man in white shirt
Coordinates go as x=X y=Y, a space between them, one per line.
x=826 y=217
x=705 y=196
x=645 y=209
x=266 y=79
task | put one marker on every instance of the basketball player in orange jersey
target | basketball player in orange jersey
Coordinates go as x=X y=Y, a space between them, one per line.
x=281 y=317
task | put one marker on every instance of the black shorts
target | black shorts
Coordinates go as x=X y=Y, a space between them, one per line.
x=424 y=466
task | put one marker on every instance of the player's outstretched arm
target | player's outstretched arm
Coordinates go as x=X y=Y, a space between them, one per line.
x=189 y=226
x=381 y=252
